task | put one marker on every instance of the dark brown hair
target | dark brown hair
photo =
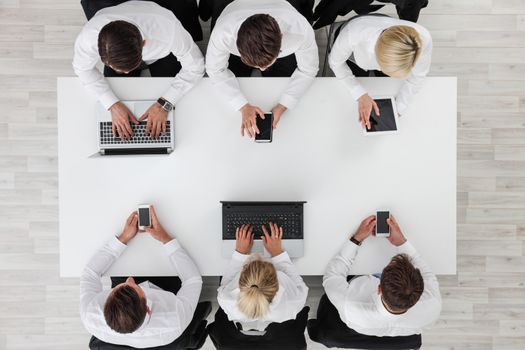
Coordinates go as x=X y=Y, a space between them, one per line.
x=125 y=310
x=401 y=284
x=259 y=40
x=120 y=45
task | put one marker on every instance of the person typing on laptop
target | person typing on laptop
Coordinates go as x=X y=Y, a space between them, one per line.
x=128 y=38
x=269 y=35
x=402 y=300
x=254 y=291
x=140 y=315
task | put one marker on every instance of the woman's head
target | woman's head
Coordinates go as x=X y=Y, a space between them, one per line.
x=258 y=284
x=397 y=50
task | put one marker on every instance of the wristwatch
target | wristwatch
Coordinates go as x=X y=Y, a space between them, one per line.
x=165 y=104
x=355 y=241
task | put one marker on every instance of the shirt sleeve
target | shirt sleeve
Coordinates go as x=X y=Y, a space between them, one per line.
x=307 y=57
x=90 y=279
x=337 y=289
x=413 y=83
x=188 y=295
x=217 y=56
x=192 y=62
x=296 y=296
x=84 y=64
x=229 y=283
x=340 y=53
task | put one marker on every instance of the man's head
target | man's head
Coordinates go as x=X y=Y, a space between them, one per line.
x=258 y=285
x=120 y=46
x=126 y=307
x=397 y=50
x=259 y=41
x=401 y=284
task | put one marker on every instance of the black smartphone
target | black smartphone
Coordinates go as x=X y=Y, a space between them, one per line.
x=144 y=216
x=382 y=228
x=265 y=128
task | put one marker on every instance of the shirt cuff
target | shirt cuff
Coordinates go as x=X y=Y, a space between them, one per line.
x=172 y=95
x=172 y=246
x=356 y=90
x=239 y=257
x=238 y=102
x=116 y=246
x=108 y=99
x=406 y=248
x=281 y=257
x=288 y=101
x=349 y=250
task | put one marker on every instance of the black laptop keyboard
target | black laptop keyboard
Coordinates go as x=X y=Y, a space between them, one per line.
x=291 y=223
x=139 y=135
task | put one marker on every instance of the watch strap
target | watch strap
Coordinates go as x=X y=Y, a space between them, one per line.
x=165 y=104
x=355 y=241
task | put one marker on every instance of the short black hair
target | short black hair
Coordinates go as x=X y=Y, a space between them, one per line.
x=120 y=45
x=401 y=283
x=259 y=40
x=124 y=309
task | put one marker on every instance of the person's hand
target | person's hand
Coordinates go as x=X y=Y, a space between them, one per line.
x=244 y=239
x=121 y=116
x=156 y=116
x=365 y=229
x=249 y=115
x=277 y=111
x=272 y=242
x=156 y=230
x=366 y=103
x=396 y=236
x=130 y=228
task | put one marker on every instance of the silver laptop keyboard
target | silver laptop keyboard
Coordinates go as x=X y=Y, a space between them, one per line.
x=139 y=135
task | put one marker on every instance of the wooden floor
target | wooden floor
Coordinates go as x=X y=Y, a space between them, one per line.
x=480 y=41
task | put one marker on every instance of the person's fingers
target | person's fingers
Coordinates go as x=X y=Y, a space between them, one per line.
x=132 y=118
x=275 y=230
x=263 y=238
x=281 y=232
x=154 y=218
x=237 y=234
x=148 y=127
x=260 y=113
x=251 y=239
x=114 y=129
x=376 y=108
x=242 y=129
x=158 y=128
x=128 y=129
x=254 y=126
x=249 y=232
x=164 y=126
x=120 y=132
x=144 y=116
x=265 y=234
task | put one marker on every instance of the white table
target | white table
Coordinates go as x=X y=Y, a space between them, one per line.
x=319 y=154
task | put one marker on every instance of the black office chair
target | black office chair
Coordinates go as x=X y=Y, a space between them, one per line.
x=287 y=335
x=192 y=338
x=329 y=330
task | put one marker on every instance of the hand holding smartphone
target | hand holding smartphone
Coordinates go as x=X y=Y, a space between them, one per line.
x=265 y=127
x=382 y=227
x=144 y=216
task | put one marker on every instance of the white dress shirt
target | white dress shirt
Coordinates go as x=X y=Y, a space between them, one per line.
x=357 y=41
x=298 y=38
x=287 y=303
x=164 y=34
x=170 y=313
x=361 y=308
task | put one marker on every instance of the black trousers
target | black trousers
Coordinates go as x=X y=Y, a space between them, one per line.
x=282 y=67
x=167 y=66
x=168 y=283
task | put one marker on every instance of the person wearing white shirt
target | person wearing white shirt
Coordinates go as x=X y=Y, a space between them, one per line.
x=128 y=38
x=397 y=48
x=269 y=35
x=138 y=315
x=255 y=292
x=402 y=301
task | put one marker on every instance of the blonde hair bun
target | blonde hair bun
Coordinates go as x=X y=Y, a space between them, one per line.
x=258 y=284
x=397 y=50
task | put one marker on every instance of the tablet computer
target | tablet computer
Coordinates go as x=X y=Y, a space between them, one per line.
x=387 y=122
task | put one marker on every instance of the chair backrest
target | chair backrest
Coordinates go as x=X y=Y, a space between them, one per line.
x=331 y=331
x=286 y=335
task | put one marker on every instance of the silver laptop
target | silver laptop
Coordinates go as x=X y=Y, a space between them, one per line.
x=288 y=215
x=140 y=143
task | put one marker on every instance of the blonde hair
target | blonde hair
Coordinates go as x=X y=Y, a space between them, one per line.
x=258 y=284
x=397 y=50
